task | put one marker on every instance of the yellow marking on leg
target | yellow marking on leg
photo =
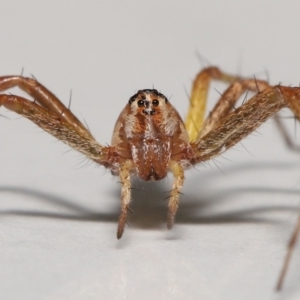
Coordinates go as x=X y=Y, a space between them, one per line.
x=196 y=112
x=195 y=116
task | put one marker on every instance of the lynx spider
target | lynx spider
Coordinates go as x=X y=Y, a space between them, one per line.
x=150 y=139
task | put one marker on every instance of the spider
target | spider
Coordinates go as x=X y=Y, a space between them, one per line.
x=150 y=139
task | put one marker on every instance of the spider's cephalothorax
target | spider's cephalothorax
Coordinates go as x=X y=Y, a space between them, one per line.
x=150 y=132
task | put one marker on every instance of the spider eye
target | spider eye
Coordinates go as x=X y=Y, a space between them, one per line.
x=141 y=103
x=155 y=102
x=166 y=100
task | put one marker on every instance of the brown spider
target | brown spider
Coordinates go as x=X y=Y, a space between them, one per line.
x=150 y=139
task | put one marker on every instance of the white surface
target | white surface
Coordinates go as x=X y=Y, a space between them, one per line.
x=58 y=216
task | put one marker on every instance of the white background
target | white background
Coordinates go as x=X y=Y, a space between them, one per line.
x=58 y=213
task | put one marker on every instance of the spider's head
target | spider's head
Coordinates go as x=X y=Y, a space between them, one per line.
x=148 y=102
x=149 y=113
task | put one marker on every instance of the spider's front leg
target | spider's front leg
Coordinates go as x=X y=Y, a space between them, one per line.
x=228 y=99
x=235 y=126
x=49 y=113
x=195 y=116
x=245 y=119
x=42 y=96
x=195 y=124
x=77 y=138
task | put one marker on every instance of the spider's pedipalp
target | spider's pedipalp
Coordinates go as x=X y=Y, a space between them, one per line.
x=124 y=174
x=178 y=180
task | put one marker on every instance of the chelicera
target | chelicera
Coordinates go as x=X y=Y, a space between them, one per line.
x=150 y=139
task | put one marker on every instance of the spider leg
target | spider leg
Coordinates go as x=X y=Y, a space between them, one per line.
x=178 y=173
x=196 y=111
x=125 y=195
x=290 y=249
x=78 y=139
x=245 y=119
x=43 y=96
x=228 y=99
x=241 y=122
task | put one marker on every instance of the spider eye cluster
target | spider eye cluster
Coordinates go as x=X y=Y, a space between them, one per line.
x=142 y=94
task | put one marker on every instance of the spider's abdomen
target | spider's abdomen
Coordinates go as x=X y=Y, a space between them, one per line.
x=151 y=133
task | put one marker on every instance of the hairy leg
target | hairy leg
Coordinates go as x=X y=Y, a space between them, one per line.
x=196 y=111
x=228 y=99
x=125 y=195
x=80 y=140
x=178 y=173
x=43 y=96
x=245 y=119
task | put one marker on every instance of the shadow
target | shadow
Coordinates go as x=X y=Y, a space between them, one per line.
x=149 y=208
x=77 y=212
x=150 y=201
x=247 y=167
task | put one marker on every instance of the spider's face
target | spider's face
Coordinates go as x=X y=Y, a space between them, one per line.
x=148 y=103
x=149 y=114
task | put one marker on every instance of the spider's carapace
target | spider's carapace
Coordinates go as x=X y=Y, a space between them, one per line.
x=150 y=132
